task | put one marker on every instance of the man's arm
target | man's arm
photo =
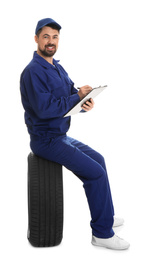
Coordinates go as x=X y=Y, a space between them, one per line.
x=43 y=102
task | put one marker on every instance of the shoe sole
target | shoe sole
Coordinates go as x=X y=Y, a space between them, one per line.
x=123 y=248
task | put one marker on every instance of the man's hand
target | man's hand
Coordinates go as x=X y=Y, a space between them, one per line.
x=84 y=91
x=88 y=105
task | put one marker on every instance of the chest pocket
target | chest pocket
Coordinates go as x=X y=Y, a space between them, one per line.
x=57 y=86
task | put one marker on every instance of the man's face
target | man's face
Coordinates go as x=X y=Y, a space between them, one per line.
x=47 y=41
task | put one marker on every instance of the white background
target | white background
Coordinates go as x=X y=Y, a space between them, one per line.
x=102 y=42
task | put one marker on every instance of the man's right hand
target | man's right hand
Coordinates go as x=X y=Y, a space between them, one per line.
x=84 y=91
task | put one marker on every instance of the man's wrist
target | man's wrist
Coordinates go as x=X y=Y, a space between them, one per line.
x=80 y=95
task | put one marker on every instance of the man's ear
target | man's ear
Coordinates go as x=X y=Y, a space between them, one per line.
x=36 y=38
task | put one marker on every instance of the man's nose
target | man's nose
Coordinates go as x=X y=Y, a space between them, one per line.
x=50 y=41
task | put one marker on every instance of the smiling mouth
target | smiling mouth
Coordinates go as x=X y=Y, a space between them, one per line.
x=50 y=48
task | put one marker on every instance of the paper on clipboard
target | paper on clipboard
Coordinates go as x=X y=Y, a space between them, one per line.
x=92 y=94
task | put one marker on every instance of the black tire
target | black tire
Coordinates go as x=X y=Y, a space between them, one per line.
x=45 y=202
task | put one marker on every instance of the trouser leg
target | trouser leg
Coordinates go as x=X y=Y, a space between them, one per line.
x=96 y=157
x=91 y=170
x=98 y=193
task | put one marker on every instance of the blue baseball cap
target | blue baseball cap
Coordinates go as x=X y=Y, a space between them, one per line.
x=44 y=22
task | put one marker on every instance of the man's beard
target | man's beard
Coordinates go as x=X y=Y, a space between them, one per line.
x=46 y=52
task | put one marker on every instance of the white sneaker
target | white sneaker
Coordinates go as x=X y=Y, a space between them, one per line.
x=118 y=222
x=114 y=243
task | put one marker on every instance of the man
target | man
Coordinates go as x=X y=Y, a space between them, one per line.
x=47 y=95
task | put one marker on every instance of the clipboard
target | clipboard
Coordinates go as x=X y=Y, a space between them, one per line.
x=92 y=94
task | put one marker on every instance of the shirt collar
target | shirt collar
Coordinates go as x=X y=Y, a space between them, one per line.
x=43 y=62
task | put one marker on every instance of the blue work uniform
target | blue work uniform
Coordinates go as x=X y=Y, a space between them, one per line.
x=47 y=95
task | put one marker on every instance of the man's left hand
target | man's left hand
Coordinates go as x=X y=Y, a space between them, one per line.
x=88 y=105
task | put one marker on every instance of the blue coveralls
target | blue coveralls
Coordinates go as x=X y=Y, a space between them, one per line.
x=47 y=95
